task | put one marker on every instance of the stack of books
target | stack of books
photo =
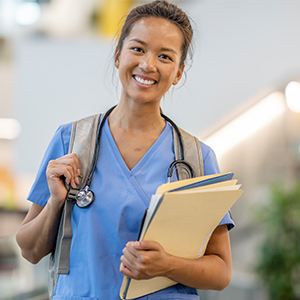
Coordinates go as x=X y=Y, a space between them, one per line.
x=181 y=216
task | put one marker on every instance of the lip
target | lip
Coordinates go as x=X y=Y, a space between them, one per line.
x=144 y=78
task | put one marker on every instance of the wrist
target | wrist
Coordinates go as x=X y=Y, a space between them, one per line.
x=170 y=266
x=55 y=206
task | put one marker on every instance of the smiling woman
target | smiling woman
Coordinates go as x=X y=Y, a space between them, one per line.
x=149 y=61
x=135 y=151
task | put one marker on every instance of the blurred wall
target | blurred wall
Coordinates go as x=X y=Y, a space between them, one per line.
x=244 y=49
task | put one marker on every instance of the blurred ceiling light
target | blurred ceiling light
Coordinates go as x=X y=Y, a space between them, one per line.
x=246 y=124
x=27 y=13
x=292 y=94
x=9 y=128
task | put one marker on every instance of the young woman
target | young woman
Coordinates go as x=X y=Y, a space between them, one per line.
x=136 y=149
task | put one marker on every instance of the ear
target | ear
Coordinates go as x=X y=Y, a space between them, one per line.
x=178 y=75
x=116 y=58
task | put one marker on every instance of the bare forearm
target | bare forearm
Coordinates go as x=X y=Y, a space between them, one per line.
x=37 y=234
x=148 y=259
x=209 y=272
x=36 y=238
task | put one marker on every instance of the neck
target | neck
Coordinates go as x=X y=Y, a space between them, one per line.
x=137 y=117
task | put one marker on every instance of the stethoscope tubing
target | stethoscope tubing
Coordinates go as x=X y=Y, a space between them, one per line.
x=85 y=196
x=96 y=153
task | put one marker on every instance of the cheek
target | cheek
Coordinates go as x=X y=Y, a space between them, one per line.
x=126 y=65
x=126 y=61
x=171 y=74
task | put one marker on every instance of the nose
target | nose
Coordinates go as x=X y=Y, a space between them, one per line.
x=147 y=63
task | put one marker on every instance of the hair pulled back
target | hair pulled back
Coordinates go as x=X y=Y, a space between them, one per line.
x=160 y=9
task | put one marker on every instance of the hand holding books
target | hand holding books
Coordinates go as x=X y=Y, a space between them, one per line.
x=181 y=217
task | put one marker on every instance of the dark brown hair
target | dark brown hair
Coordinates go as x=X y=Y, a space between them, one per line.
x=160 y=9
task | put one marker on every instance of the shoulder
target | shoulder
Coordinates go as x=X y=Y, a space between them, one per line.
x=65 y=131
x=210 y=161
x=62 y=136
x=208 y=156
x=207 y=151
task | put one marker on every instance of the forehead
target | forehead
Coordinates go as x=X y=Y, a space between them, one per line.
x=158 y=31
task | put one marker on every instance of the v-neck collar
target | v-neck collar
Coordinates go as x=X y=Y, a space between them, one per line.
x=142 y=161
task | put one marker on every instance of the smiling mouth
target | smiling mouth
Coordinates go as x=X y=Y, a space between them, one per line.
x=143 y=81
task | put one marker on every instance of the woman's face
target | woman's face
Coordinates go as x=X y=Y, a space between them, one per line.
x=149 y=62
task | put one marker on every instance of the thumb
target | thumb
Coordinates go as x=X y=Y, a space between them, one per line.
x=145 y=245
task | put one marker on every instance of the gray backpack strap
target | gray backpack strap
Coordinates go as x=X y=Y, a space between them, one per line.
x=82 y=142
x=65 y=240
x=192 y=153
x=62 y=248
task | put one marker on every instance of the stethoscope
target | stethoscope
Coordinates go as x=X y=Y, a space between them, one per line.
x=85 y=196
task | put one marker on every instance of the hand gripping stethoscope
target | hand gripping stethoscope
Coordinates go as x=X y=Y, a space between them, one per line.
x=85 y=196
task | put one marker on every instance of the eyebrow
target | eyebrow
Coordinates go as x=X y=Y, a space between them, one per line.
x=144 y=43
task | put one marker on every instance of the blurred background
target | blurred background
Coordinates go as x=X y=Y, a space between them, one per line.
x=241 y=96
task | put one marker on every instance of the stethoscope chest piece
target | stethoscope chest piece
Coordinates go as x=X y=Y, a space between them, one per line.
x=84 y=197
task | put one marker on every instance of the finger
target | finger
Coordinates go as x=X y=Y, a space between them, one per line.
x=57 y=172
x=132 y=250
x=66 y=166
x=70 y=159
x=127 y=263
x=145 y=245
x=75 y=163
x=128 y=266
x=125 y=270
x=135 y=259
x=130 y=270
x=129 y=257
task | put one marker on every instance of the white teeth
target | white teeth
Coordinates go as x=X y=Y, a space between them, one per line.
x=147 y=82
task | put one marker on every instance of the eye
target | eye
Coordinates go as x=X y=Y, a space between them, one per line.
x=165 y=57
x=137 y=49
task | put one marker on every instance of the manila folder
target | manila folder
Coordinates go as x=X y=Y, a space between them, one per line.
x=182 y=224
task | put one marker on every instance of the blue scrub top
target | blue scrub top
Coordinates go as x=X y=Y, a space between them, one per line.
x=101 y=231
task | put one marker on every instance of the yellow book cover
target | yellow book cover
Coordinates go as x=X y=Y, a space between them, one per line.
x=182 y=220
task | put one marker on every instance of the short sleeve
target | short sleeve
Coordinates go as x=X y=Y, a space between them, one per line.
x=57 y=147
x=211 y=166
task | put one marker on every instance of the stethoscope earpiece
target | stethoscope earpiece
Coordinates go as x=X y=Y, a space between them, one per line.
x=84 y=197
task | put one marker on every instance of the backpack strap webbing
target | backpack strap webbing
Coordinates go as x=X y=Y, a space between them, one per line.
x=192 y=153
x=83 y=143
x=84 y=132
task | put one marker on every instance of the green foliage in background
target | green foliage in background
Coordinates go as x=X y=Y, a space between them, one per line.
x=279 y=259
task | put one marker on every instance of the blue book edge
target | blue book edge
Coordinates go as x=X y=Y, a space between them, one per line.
x=216 y=179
